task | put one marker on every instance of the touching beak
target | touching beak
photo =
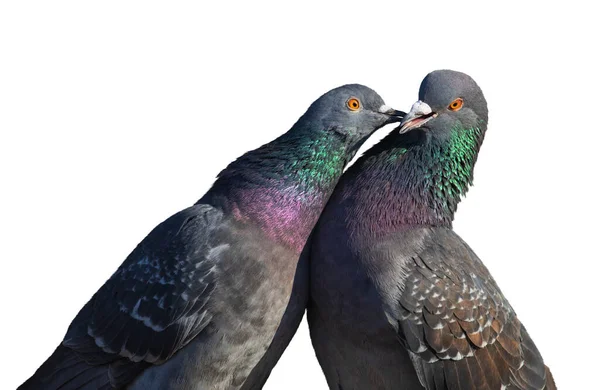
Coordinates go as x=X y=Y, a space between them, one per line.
x=419 y=114
x=394 y=115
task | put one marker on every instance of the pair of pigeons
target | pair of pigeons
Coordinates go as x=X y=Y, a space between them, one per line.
x=396 y=300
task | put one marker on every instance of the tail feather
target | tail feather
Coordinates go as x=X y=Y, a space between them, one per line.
x=550 y=385
x=531 y=375
x=64 y=370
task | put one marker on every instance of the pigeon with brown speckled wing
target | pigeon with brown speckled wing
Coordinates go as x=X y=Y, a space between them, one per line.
x=398 y=300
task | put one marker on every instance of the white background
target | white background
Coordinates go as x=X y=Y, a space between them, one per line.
x=114 y=116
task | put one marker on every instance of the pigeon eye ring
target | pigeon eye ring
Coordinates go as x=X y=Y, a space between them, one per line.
x=456 y=104
x=353 y=104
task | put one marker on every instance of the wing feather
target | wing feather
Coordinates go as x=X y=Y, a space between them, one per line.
x=152 y=306
x=457 y=324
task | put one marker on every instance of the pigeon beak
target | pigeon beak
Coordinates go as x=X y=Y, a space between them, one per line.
x=394 y=115
x=419 y=114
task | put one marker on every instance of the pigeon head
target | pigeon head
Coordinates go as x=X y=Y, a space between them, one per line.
x=449 y=101
x=352 y=112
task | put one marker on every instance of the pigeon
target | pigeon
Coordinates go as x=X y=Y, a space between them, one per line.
x=200 y=301
x=398 y=299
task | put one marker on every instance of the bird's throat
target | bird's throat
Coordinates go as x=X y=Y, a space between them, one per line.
x=406 y=183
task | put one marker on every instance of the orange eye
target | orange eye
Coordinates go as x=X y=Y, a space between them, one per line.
x=353 y=104
x=456 y=104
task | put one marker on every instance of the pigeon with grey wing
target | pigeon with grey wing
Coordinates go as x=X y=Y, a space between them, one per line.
x=200 y=300
x=398 y=299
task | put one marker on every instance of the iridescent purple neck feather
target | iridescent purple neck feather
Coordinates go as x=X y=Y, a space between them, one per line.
x=283 y=186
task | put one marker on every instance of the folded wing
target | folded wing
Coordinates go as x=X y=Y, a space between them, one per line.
x=458 y=327
x=151 y=307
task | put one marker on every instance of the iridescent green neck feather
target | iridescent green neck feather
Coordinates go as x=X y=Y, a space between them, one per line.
x=411 y=179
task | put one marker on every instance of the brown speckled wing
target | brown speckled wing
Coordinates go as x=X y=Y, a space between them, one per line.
x=459 y=329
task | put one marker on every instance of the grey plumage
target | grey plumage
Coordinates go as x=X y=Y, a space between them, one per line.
x=398 y=300
x=198 y=302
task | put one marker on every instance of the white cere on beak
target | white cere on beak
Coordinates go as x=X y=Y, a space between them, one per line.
x=384 y=109
x=420 y=113
x=420 y=108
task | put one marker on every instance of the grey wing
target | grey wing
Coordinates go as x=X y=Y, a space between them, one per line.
x=152 y=306
x=457 y=325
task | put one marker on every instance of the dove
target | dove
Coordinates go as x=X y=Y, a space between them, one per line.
x=214 y=290
x=398 y=299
